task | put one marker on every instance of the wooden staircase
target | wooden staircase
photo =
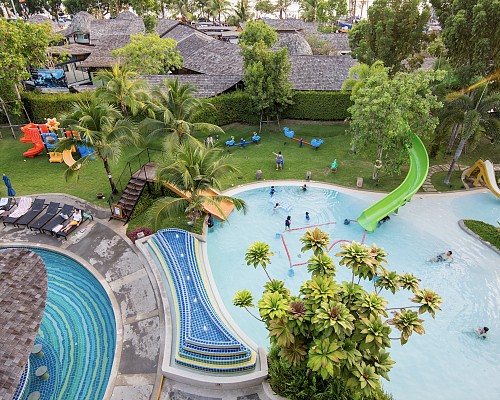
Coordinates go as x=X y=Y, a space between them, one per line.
x=132 y=192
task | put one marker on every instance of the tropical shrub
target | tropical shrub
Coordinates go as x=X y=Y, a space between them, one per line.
x=336 y=334
x=43 y=106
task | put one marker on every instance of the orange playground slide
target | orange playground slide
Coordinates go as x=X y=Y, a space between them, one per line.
x=226 y=205
x=32 y=135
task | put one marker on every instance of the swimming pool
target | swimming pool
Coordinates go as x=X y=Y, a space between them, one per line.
x=77 y=332
x=449 y=362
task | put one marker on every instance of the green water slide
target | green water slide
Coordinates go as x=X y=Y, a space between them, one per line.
x=419 y=166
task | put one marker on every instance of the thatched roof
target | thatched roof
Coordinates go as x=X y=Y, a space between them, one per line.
x=216 y=57
x=127 y=16
x=41 y=19
x=101 y=54
x=207 y=85
x=74 y=49
x=193 y=43
x=296 y=43
x=163 y=26
x=320 y=72
x=80 y=23
x=180 y=31
x=339 y=41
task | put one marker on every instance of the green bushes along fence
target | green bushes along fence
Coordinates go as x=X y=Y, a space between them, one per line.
x=229 y=108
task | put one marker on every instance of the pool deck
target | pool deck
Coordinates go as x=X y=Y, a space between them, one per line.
x=104 y=249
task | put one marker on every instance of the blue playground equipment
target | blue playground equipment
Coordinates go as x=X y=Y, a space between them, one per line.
x=314 y=142
x=242 y=143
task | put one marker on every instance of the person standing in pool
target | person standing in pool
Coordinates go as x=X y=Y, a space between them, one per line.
x=272 y=191
x=308 y=217
x=288 y=222
x=210 y=221
x=279 y=160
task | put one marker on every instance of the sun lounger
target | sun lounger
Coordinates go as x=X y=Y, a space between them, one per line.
x=66 y=210
x=6 y=203
x=23 y=206
x=65 y=234
x=49 y=214
x=34 y=211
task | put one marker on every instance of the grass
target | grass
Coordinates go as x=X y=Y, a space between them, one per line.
x=485 y=231
x=455 y=181
x=37 y=175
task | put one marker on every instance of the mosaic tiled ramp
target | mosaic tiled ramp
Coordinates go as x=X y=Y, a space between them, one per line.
x=203 y=341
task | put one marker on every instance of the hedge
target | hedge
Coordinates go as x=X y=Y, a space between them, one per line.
x=229 y=108
x=319 y=106
x=43 y=106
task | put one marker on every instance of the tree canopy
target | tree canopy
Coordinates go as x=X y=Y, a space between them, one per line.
x=22 y=45
x=471 y=36
x=394 y=34
x=258 y=31
x=338 y=330
x=149 y=54
x=385 y=111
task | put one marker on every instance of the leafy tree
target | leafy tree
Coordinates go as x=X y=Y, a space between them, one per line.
x=282 y=7
x=394 y=34
x=258 y=31
x=259 y=253
x=266 y=72
x=143 y=7
x=265 y=6
x=358 y=74
x=123 y=88
x=241 y=13
x=471 y=36
x=386 y=110
x=330 y=10
x=174 y=108
x=340 y=331
x=193 y=168
x=150 y=23
x=101 y=127
x=22 y=46
x=149 y=54
x=472 y=114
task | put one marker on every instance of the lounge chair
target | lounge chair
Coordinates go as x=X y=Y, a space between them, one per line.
x=65 y=234
x=6 y=203
x=34 y=211
x=49 y=214
x=49 y=227
x=23 y=206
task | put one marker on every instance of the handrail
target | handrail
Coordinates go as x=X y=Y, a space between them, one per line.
x=122 y=181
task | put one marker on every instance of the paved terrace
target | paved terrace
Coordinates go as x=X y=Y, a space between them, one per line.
x=103 y=246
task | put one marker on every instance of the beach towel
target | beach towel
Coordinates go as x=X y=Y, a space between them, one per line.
x=23 y=206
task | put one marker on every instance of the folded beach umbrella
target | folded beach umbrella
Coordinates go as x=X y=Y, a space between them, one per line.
x=10 y=191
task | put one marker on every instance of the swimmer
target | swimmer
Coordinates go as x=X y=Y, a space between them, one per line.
x=482 y=331
x=304 y=188
x=288 y=222
x=383 y=220
x=307 y=216
x=210 y=221
x=272 y=191
x=275 y=208
x=443 y=257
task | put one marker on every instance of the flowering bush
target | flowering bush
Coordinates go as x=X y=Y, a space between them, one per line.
x=134 y=235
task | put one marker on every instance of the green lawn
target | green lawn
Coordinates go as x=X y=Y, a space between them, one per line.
x=37 y=175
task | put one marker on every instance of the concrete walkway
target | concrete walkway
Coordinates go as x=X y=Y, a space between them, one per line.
x=104 y=247
x=428 y=186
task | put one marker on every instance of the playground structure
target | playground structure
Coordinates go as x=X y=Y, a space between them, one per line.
x=226 y=206
x=315 y=143
x=419 y=166
x=33 y=134
x=243 y=142
x=483 y=174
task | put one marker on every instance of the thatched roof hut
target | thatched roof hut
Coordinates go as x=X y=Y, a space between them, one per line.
x=80 y=23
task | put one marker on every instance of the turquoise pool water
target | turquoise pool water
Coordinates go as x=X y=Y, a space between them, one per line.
x=77 y=332
x=449 y=362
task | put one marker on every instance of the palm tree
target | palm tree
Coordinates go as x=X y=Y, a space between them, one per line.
x=101 y=127
x=218 y=7
x=315 y=240
x=259 y=253
x=359 y=74
x=122 y=87
x=192 y=168
x=175 y=108
x=473 y=114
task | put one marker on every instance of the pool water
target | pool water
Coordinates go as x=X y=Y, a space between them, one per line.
x=449 y=361
x=77 y=332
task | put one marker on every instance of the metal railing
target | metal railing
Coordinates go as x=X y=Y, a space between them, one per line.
x=134 y=165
